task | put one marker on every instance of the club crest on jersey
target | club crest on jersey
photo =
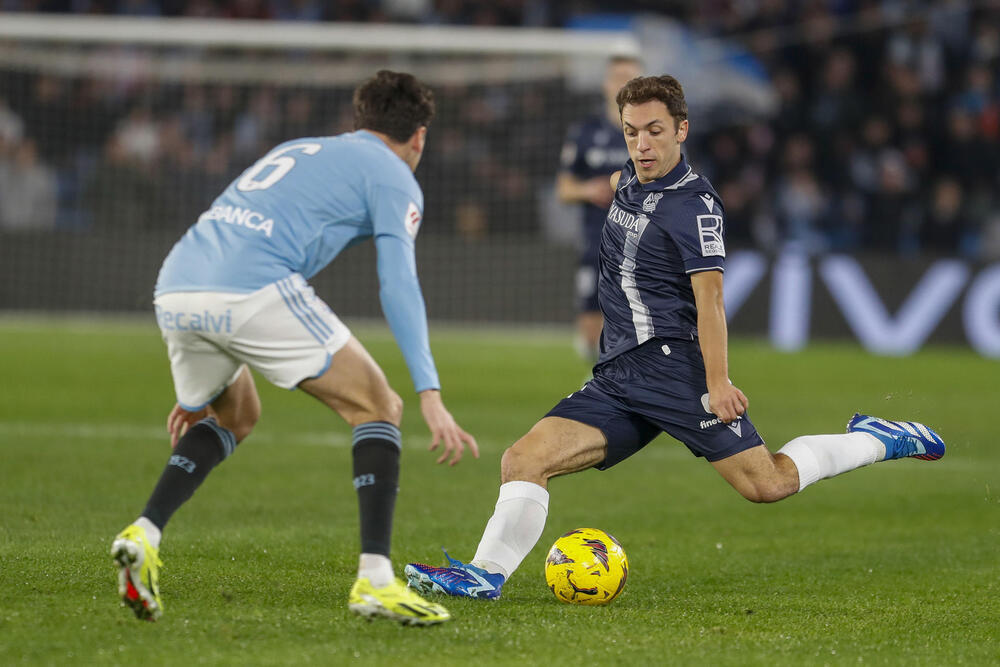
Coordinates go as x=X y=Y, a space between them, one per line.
x=710 y=233
x=651 y=201
x=412 y=220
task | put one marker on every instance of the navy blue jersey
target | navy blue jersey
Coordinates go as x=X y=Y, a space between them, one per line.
x=594 y=147
x=656 y=234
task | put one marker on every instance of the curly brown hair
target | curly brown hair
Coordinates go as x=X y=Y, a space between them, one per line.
x=663 y=88
x=393 y=103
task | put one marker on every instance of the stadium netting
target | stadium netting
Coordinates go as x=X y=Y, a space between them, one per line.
x=115 y=134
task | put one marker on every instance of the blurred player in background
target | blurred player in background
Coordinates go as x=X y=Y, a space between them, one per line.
x=664 y=361
x=594 y=149
x=232 y=295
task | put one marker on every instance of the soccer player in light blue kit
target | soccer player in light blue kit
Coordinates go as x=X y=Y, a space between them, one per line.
x=232 y=295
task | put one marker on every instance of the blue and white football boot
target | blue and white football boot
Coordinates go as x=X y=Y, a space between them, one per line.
x=901 y=439
x=459 y=579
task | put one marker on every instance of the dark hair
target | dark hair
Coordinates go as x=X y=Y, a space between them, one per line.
x=664 y=88
x=393 y=103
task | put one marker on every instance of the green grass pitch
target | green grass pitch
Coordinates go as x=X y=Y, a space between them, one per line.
x=894 y=564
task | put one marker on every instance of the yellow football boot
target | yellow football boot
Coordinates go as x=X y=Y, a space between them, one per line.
x=394 y=601
x=138 y=564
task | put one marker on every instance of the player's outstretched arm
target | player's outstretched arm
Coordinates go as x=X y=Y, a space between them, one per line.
x=726 y=401
x=573 y=190
x=445 y=432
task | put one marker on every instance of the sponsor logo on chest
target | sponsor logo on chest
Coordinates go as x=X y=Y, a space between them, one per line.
x=601 y=157
x=630 y=221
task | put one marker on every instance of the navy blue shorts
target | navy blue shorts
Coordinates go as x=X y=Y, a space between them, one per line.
x=657 y=387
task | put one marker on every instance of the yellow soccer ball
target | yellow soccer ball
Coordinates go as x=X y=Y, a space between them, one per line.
x=586 y=566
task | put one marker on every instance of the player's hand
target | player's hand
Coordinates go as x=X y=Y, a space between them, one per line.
x=599 y=192
x=444 y=431
x=727 y=402
x=180 y=420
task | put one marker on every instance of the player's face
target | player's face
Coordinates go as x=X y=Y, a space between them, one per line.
x=653 y=140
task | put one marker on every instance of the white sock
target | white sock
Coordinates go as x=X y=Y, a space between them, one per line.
x=820 y=456
x=514 y=528
x=153 y=533
x=376 y=568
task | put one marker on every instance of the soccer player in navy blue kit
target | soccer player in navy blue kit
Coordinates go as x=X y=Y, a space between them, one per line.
x=232 y=295
x=663 y=365
x=594 y=149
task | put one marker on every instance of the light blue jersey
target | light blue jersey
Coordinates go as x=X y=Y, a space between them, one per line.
x=294 y=211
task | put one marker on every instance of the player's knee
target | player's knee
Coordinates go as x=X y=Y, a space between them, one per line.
x=510 y=465
x=518 y=465
x=384 y=405
x=390 y=407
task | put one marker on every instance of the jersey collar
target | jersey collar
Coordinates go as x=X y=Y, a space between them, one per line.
x=673 y=179
x=366 y=135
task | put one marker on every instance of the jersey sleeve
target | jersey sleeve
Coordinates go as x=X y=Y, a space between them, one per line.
x=696 y=227
x=396 y=219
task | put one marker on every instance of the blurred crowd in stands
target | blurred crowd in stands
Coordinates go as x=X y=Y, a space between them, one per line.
x=886 y=136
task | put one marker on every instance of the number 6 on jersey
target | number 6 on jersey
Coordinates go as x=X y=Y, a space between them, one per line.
x=281 y=164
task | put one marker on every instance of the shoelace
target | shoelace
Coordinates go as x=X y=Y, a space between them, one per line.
x=903 y=442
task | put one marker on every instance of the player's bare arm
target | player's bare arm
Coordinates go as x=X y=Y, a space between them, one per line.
x=444 y=430
x=573 y=190
x=726 y=401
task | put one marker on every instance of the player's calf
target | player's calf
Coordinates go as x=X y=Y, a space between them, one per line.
x=758 y=475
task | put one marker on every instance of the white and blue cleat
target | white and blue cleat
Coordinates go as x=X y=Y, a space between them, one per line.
x=458 y=579
x=901 y=439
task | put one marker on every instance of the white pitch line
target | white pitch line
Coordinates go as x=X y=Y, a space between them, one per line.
x=366 y=329
x=125 y=431
x=85 y=431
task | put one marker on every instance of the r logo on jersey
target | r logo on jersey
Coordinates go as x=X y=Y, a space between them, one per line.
x=412 y=220
x=710 y=233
